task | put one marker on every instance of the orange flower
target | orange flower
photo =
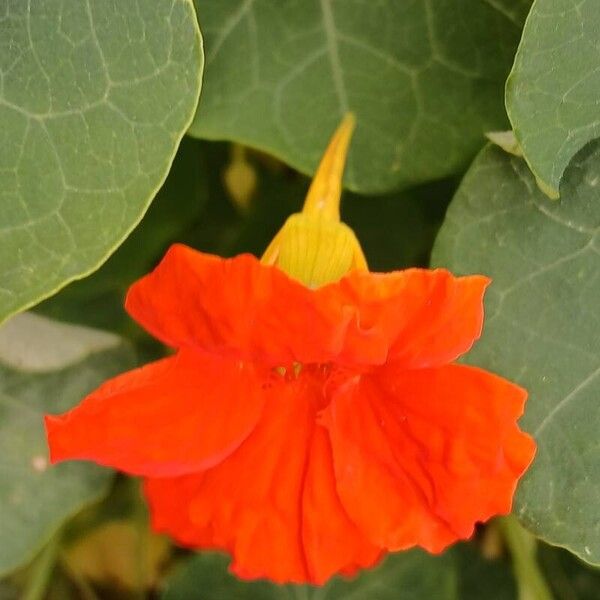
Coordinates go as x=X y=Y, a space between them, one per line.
x=307 y=427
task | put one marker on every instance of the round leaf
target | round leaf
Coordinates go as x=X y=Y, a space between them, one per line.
x=95 y=98
x=281 y=76
x=552 y=92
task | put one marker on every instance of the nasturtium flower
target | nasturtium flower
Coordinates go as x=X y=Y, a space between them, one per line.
x=312 y=417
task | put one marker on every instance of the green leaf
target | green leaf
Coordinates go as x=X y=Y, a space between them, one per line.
x=45 y=367
x=280 y=78
x=552 y=91
x=415 y=574
x=95 y=98
x=542 y=328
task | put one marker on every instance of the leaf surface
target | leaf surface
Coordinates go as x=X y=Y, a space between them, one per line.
x=280 y=76
x=552 y=91
x=94 y=100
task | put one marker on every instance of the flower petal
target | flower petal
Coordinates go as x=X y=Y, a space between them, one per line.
x=421 y=456
x=332 y=542
x=235 y=307
x=272 y=503
x=174 y=416
x=416 y=318
x=241 y=308
x=250 y=503
x=169 y=500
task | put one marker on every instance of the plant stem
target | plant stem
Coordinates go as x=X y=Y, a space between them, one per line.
x=42 y=570
x=522 y=546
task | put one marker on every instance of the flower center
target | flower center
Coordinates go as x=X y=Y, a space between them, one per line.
x=289 y=372
x=318 y=381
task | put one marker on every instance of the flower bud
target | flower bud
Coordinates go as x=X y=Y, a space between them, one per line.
x=313 y=246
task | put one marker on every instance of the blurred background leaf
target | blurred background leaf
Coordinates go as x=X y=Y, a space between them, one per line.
x=35 y=499
x=569 y=577
x=414 y=575
x=117 y=554
x=459 y=574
